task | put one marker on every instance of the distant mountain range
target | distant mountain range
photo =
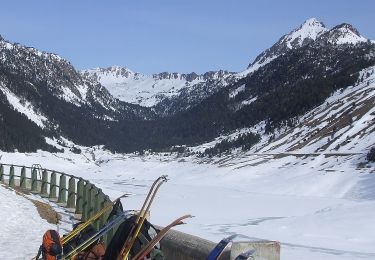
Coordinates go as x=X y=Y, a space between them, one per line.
x=42 y=95
x=167 y=92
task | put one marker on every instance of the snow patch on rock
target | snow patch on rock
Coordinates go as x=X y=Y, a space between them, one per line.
x=310 y=29
x=25 y=108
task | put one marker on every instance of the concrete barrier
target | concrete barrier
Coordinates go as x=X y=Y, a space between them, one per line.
x=264 y=250
x=181 y=246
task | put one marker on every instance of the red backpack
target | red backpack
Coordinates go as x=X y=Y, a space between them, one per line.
x=52 y=246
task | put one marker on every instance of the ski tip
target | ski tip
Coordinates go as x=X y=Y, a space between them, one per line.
x=230 y=238
x=124 y=195
x=165 y=178
x=187 y=216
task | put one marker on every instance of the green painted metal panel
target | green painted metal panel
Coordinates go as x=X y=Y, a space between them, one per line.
x=62 y=189
x=52 y=186
x=44 y=188
x=71 y=193
x=23 y=178
x=11 y=177
x=79 y=198
x=34 y=180
x=86 y=194
x=2 y=173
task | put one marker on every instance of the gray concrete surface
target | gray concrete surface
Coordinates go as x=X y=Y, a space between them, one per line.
x=181 y=246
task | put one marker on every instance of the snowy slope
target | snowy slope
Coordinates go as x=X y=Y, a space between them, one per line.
x=344 y=123
x=21 y=228
x=24 y=107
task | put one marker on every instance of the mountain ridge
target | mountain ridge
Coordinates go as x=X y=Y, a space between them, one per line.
x=296 y=74
x=169 y=93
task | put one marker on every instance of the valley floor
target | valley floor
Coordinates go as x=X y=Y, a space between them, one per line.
x=318 y=207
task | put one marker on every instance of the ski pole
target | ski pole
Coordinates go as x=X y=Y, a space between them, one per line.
x=98 y=234
x=82 y=226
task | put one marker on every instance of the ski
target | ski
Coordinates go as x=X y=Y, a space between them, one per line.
x=220 y=247
x=246 y=255
x=91 y=220
x=118 y=220
x=148 y=248
x=141 y=217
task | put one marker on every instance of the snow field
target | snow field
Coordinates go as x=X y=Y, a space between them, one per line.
x=318 y=207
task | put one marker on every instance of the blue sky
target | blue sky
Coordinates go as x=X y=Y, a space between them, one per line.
x=169 y=35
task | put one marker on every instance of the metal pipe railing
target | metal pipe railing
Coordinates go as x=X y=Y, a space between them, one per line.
x=66 y=189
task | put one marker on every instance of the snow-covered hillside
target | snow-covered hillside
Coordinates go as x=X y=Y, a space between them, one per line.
x=344 y=123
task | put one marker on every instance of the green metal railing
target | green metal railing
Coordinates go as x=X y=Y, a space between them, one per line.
x=74 y=193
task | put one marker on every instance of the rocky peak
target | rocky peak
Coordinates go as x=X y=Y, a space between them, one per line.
x=168 y=75
x=343 y=34
x=345 y=27
x=189 y=77
x=307 y=32
x=114 y=74
x=220 y=74
x=119 y=71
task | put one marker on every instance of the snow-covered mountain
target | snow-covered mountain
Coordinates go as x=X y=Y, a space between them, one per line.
x=289 y=86
x=46 y=67
x=150 y=90
x=311 y=39
x=55 y=75
x=41 y=94
x=304 y=34
x=170 y=93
